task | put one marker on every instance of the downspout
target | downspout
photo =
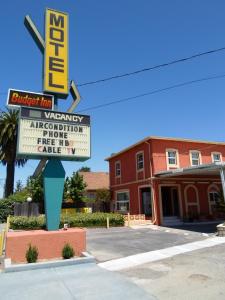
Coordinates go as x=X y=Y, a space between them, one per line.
x=151 y=174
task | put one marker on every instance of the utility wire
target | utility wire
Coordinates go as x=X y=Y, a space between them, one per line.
x=149 y=68
x=153 y=67
x=152 y=92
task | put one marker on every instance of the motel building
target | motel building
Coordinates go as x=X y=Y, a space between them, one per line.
x=169 y=180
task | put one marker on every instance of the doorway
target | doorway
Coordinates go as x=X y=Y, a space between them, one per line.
x=170 y=201
x=146 y=201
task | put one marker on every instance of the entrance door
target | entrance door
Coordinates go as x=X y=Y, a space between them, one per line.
x=170 y=201
x=175 y=202
x=146 y=202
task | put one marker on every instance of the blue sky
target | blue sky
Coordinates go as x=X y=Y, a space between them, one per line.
x=113 y=37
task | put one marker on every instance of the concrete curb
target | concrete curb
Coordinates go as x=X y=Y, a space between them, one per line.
x=156 y=255
x=87 y=258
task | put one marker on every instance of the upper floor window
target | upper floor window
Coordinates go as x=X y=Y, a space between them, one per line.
x=172 y=158
x=140 y=161
x=195 y=158
x=118 y=169
x=216 y=157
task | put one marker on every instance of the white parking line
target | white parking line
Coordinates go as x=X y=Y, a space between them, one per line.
x=142 y=258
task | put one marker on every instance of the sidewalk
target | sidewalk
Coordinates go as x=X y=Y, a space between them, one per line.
x=84 y=282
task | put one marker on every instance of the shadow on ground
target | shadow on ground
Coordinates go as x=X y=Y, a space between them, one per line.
x=203 y=228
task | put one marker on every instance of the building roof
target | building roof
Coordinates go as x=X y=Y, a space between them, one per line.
x=205 y=169
x=96 y=180
x=166 y=139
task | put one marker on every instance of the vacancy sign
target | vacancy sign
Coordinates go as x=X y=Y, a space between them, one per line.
x=56 y=53
x=44 y=133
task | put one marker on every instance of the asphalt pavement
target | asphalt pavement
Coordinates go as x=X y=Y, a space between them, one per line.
x=108 y=244
x=197 y=275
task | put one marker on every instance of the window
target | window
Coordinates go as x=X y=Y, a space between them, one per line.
x=91 y=196
x=140 y=161
x=122 y=202
x=172 y=158
x=213 y=197
x=216 y=157
x=118 y=169
x=195 y=158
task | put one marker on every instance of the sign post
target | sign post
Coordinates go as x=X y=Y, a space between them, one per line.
x=54 y=176
x=52 y=135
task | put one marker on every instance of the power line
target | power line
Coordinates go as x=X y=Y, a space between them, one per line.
x=152 y=92
x=147 y=69
x=153 y=67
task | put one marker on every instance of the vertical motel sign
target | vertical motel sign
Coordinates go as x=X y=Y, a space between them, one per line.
x=56 y=53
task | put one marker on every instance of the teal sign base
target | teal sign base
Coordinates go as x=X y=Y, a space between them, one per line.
x=54 y=176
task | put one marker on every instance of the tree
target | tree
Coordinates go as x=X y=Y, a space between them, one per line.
x=8 y=142
x=75 y=188
x=19 y=186
x=84 y=169
x=103 y=199
x=35 y=188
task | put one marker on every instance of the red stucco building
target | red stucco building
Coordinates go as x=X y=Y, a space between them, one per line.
x=168 y=179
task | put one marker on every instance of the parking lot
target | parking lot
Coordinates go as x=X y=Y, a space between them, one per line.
x=108 y=244
x=197 y=274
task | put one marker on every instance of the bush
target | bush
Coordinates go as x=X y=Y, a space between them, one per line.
x=67 y=251
x=6 y=209
x=32 y=254
x=7 y=204
x=92 y=220
x=76 y=220
x=27 y=223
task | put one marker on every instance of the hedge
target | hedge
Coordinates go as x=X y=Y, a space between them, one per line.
x=6 y=209
x=76 y=220
x=7 y=204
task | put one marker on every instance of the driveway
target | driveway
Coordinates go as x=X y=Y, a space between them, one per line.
x=108 y=244
x=209 y=227
x=197 y=275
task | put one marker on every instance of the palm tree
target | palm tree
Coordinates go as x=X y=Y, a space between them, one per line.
x=8 y=142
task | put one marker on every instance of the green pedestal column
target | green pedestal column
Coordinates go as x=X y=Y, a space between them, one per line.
x=54 y=176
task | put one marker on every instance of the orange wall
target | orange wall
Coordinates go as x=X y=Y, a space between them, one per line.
x=159 y=152
x=49 y=243
x=128 y=165
x=155 y=161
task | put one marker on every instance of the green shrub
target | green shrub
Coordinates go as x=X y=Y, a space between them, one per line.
x=92 y=220
x=27 y=223
x=32 y=254
x=7 y=204
x=76 y=220
x=6 y=209
x=67 y=251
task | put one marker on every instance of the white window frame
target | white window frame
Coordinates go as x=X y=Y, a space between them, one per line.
x=137 y=154
x=214 y=197
x=199 y=157
x=123 y=201
x=118 y=162
x=176 y=165
x=216 y=153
